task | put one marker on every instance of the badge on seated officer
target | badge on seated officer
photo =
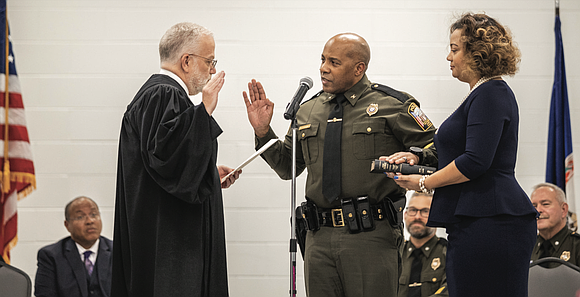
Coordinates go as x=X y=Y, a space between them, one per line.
x=424 y=254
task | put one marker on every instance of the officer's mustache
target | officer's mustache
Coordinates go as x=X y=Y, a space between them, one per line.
x=420 y=222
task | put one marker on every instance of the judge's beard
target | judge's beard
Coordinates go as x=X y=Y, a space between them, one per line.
x=198 y=81
x=420 y=233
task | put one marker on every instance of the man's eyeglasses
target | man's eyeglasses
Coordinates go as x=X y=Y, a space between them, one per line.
x=413 y=212
x=212 y=62
x=94 y=216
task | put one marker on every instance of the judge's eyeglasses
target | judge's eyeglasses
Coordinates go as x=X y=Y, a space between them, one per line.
x=212 y=62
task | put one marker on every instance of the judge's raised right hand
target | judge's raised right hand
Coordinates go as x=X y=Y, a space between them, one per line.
x=210 y=91
x=260 y=109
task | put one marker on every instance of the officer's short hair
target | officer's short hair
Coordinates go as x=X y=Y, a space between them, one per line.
x=415 y=194
x=560 y=195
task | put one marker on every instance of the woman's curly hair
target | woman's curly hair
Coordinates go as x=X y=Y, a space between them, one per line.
x=489 y=48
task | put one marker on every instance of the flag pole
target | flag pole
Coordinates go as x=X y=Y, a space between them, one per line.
x=557 y=8
x=4 y=254
x=6 y=171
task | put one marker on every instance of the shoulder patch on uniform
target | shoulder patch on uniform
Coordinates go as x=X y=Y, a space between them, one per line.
x=420 y=117
x=391 y=92
x=442 y=241
x=575 y=234
x=315 y=95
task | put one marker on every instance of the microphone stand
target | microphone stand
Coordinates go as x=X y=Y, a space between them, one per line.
x=290 y=114
x=292 y=210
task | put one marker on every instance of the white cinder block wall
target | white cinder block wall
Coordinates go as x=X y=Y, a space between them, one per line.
x=80 y=63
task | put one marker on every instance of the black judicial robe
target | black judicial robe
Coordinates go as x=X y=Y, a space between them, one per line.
x=169 y=222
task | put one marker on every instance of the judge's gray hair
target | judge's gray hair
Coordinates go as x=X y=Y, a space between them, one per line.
x=560 y=195
x=180 y=39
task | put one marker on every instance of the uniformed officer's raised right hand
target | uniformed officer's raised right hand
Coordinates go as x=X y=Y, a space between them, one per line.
x=260 y=109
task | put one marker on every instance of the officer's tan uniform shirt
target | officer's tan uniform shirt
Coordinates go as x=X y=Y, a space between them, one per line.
x=566 y=245
x=375 y=123
x=433 y=277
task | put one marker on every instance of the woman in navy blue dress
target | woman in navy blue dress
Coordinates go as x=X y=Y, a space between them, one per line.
x=490 y=221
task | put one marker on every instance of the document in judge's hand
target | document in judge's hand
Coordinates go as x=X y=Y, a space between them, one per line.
x=252 y=157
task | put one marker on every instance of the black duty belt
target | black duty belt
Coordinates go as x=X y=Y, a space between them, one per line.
x=334 y=217
x=357 y=214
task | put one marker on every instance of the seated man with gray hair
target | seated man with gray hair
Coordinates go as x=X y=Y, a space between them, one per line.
x=555 y=239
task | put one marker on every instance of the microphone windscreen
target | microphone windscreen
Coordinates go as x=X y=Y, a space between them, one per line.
x=308 y=81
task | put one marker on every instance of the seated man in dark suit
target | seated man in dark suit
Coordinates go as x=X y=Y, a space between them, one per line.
x=78 y=265
x=555 y=239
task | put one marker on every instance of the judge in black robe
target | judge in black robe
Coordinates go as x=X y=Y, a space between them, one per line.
x=169 y=222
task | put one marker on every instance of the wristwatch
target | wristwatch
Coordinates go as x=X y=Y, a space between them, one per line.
x=417 y=151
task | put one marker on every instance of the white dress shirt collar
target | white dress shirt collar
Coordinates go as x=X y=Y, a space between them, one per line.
x=94 y=248
x=176 y=78
x=194 y=100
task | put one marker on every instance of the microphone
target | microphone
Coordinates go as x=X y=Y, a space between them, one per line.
x=292 y=107
x=378 y=166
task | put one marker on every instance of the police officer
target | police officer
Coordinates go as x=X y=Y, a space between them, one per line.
x=555 y=239
x=349 y=254
x=423 y=254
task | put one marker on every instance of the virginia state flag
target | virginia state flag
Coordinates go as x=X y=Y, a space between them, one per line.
x=560 y=164
x=17 y=168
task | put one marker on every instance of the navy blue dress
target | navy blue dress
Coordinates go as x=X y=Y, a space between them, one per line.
x=490 y=220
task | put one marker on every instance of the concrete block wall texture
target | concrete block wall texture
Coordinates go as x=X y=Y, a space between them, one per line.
x=80 y=63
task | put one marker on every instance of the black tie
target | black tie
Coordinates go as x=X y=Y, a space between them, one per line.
x=331 y=166
x=415 y=278
x=546 y=249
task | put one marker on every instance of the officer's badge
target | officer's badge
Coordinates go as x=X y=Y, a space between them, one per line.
x=435 y=263
x=565 y=256
x=420 y=117
x=372 y=109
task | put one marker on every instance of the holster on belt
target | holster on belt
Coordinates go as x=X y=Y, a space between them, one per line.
x=306 y=219
x=301 y=230
x=309 y=215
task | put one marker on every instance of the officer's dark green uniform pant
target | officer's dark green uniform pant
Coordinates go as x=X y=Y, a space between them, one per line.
x=340 y=264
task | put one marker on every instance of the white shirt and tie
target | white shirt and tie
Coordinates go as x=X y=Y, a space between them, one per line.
x=90 y=262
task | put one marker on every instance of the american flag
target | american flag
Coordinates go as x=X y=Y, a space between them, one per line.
x=17 y=168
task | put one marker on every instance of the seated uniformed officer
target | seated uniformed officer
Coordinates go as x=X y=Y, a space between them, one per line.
x=555 y=239
x=423 y=254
